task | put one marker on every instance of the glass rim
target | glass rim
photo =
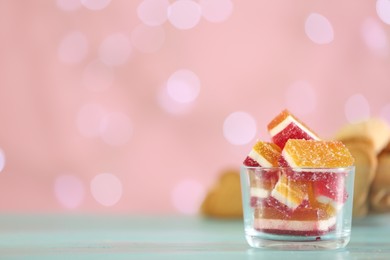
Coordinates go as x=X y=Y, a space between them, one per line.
x=346 y=168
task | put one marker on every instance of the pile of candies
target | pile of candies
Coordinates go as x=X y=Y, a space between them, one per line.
x=297 y=182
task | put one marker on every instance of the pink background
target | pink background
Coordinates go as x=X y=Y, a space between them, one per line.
x=137 y=106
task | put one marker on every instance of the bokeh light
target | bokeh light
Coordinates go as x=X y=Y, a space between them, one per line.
x=216 y=11
x=183 y=86
x=89 y=120
x=69 y=191
x=385 y=112
x=301 y=98
x=187 y=196
x=170 y=105
x=2 y=160
x=115 y=129
x=383 y=10
x=319 y=29
x=375 y=36
x=98 y=76
x=148 y=39
x=153 y=12
x=69 y=5
x=184 y=14
x=106 y=189
x=239 y=128
x=95 y=4
x=73 y=47
x=115 y=50
x=357 y=108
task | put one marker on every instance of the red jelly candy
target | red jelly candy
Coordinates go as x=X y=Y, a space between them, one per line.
x=286 y=126
x=330 y=188
x=284 y=211
x=250 y=162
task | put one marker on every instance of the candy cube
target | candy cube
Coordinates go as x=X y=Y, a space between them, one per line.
x=286 y=126
x=262 y=181
x=289 y=192
x=318 y=198
x=261 y=185
x=316 y=154
x=263 y=154
x=276 y=217
x=283 y=210
x=302 y=222
x=330 y=190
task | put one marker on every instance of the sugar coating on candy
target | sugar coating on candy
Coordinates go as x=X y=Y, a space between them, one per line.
x=331 y=192
x=330 y=209
x=289 y=192
x=326 y=206
x=263 y=179
x=283 y=119
x=291 y=131
x=262 y=182
x=331 y=186
x=250 y=162
x=286 y=126
x=283 y=209
x=316 y=154
x=263 y=154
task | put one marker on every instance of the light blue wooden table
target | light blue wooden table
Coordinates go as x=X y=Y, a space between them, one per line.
x=163 y=237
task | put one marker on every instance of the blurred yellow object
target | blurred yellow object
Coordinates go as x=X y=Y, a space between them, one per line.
x=362 y=149
x=224 y=198
x=374 y=129
x=380 y=191
x=367 y=141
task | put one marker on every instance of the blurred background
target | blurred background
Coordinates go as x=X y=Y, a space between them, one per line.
x=136 y=106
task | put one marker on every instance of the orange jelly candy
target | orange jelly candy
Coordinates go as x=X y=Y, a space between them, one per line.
x=289 y=192
x=300 y=213
x=263 y=154
x=316 y=154
x=302 y=222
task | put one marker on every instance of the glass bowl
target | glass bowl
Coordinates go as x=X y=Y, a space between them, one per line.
x=297 y=208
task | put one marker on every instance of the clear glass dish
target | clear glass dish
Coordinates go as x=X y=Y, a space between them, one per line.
x=297 y=208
